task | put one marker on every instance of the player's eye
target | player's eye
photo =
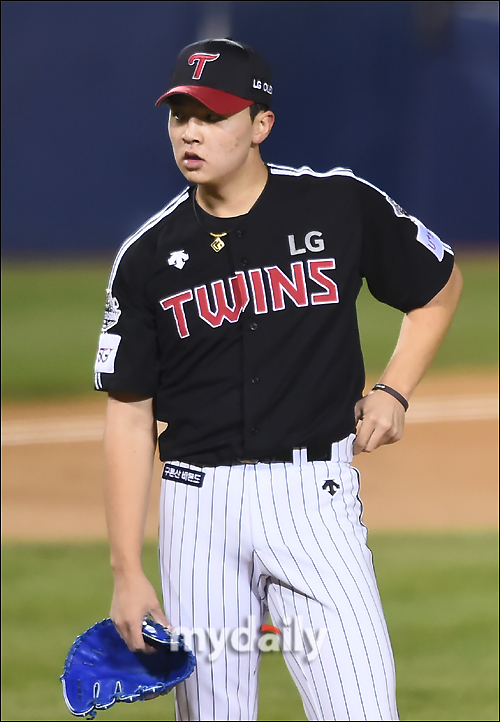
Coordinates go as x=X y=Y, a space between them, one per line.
x=213 y=118
x=178 y=115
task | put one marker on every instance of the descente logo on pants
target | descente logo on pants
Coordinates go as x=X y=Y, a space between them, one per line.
x=251 y=287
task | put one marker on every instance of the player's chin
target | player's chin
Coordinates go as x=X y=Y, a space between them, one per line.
x=194 y=175
x=185 y=171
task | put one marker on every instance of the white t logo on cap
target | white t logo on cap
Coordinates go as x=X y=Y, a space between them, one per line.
x=201 y=59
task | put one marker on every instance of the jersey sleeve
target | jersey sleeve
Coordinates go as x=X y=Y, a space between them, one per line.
x=127 y=357
x=404 y=263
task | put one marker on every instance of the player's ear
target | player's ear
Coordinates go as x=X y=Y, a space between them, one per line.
x=262 y=126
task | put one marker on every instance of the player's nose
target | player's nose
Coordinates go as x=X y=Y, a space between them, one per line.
x=192 y=131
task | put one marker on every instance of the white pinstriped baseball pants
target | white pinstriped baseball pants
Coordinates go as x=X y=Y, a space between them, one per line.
x=265 y=537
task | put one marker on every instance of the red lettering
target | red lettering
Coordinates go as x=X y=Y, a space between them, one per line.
x=177 y=304
x=201 y=59
x=239 y=291
x=258 y=291
x=332 y=294
x=280 y=284
x=216 y=309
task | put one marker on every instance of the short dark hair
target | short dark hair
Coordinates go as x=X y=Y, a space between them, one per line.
x=257 y=108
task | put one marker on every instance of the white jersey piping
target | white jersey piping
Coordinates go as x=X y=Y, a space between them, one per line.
x=305 y=170
x=167 y=210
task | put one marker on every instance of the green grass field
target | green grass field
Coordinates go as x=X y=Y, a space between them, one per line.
x=439 y=595
x=52 y=314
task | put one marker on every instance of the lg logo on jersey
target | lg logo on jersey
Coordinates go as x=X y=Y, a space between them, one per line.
x=215 y=308
x=313 y=241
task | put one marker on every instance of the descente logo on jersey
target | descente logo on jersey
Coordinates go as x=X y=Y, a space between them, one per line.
x=216 y=309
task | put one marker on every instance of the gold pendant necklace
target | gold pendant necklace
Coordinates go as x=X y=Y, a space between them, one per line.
x=218 y=244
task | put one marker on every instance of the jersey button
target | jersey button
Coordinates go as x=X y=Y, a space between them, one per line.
x=255 y=431
x=239 y=233
x=255 y=380
x=244 y=261
x=253 y=326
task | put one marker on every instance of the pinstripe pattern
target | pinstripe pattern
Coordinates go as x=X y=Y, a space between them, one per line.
x=265 y=537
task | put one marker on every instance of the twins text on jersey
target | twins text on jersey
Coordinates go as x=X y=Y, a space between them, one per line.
x=255 y=286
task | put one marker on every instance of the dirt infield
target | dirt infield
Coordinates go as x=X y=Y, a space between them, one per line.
x=442 y=475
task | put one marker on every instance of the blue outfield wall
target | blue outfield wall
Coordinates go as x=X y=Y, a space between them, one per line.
x=404 y=93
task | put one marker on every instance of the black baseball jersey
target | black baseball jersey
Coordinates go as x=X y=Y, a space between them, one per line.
x=254 y=348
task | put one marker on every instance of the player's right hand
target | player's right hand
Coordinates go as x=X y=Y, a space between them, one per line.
x=134 y=598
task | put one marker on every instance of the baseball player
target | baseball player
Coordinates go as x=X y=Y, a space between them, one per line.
x=230 y=326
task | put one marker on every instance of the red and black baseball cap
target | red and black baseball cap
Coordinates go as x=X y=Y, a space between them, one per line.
x=224 y=75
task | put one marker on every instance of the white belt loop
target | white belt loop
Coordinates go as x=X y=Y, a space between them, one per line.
x=342 y=450
x=300 y=456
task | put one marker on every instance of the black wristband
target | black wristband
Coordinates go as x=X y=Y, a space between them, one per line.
x=382 y=387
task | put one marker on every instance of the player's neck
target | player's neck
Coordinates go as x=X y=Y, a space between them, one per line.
x=235 y=195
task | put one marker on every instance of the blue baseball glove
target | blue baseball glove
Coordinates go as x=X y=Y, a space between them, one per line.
x=101 y=670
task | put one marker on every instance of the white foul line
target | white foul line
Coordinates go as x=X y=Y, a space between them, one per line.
x=477 y=407
x=52 y=430
x=74 y=429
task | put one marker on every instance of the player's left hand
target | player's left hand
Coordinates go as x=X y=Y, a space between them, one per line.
x=380 y=420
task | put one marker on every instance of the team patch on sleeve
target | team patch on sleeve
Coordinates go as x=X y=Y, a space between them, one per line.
x=112 y=312
x=429 y=239
x=106 y=353
x=185 y=476
x=424 y=236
